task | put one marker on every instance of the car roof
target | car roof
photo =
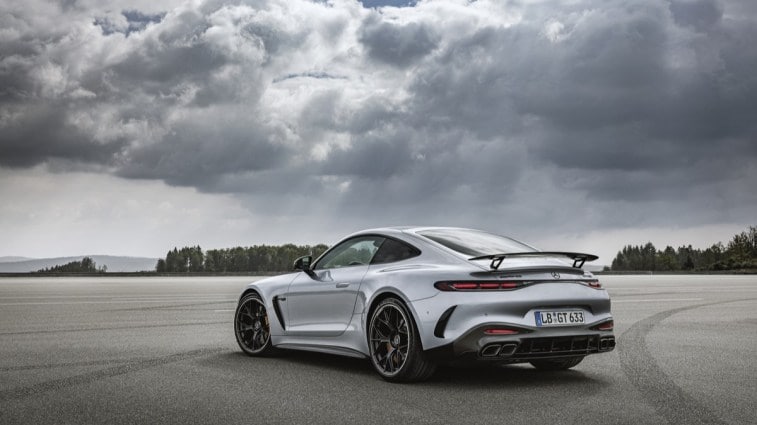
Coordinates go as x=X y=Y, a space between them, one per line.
x=410 y=229
x=411 y=233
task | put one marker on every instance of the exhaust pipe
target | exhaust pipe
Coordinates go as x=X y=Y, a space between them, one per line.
x=490 y=350
x=508 y=350
x=606 y=343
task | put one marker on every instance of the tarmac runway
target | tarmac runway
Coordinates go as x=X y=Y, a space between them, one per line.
x=106 y=350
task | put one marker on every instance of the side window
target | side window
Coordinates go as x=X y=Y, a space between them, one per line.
x=392 y=250
x=353 y=252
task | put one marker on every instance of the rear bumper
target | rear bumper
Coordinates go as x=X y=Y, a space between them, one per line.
x=450 y=316
x=523 y=347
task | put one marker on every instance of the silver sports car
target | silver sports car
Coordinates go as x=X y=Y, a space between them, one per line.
x=411 y=298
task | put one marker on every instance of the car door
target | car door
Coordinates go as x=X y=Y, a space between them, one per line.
x=321 y=303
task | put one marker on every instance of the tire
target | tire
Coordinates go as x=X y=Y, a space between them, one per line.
x=252 y=327
x=557 y=364
x=395 y=346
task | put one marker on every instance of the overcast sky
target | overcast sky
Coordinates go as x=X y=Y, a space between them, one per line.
x=131 y=127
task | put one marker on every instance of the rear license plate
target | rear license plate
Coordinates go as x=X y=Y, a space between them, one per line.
x=559 y=318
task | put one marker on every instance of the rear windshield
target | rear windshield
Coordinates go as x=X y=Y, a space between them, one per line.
x=475 y=242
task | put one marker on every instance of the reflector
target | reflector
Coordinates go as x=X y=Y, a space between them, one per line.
x=500 y=332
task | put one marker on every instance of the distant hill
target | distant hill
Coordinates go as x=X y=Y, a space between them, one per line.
x=14 y=259
x=113 y=263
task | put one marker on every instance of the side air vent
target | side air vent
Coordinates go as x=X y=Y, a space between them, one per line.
x=277 y=309
x=441 y=325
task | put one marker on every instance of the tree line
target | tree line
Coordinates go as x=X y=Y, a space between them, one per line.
x=258 y=258
x=740 y=253
x=86 y=265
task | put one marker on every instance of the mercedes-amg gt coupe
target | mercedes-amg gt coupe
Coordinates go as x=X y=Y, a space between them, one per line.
x=410 y=299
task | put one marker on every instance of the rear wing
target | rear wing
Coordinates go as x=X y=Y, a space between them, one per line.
x=578 y=258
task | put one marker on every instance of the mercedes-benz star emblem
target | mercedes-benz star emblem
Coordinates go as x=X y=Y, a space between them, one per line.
x=556 y=275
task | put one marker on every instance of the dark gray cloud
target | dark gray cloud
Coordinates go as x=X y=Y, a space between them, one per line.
x=394 y=3
x=309 y=74
x=196 y=154
x=26 y=143
x=135 y=21
x=698 y=14
x=372 y=158
x=469 y=112
x=397 y=44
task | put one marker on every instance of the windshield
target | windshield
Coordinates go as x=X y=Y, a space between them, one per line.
x=475 y=242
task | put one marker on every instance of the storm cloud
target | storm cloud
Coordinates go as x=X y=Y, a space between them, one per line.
x=489 y=114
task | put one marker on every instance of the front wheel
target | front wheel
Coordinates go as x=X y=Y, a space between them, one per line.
x=557 y=364
x=252 y=327
x=395 y=347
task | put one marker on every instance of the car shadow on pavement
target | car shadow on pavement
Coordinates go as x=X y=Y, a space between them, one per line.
x=323 y=361
x=512 y=375
x=477 y=375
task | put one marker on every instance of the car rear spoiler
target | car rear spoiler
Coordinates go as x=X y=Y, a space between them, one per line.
x=578 y=258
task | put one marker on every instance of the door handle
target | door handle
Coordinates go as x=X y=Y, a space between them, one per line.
x=342 y=285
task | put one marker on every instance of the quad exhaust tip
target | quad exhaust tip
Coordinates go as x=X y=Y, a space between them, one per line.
x=501 y=350
x=508 y=349
x=606 y=343
x=491 y=350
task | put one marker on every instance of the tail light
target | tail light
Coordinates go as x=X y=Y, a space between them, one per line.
x=477 y=286
x=604 y=326
x=594 y=284
x=485 y=285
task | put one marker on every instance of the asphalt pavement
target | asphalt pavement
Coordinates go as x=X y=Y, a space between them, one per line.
x=101 y=350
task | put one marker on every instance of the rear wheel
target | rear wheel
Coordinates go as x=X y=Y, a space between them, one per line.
x=395 y=347
x=556 y=364
x=252 y=327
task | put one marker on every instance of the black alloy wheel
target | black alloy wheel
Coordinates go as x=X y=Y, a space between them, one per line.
x=252 y=326
x=395 y=347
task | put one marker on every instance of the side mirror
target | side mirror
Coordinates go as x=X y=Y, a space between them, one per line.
x=303 y=263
